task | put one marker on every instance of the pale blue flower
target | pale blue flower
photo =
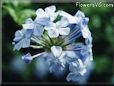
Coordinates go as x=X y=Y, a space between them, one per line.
x=84 y=28
x=56 y=64
x=22 y=39
x=88 y=41
x=56 y=50
x=79 y=19
x=44 y=17
x=80 y=15
x=71 y=19
x=73 y=77
x=81 y=79
x=79 y=61
x=54 y=30
x=28 y=58
x=35 y=27
x=82 y=51
x=77 y=57
x=51 y=12
x=77 y=69
x=77 y=66
x=59 y=40
x=85 y=77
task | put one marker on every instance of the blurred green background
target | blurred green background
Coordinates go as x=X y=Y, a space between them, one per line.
x=14 y=13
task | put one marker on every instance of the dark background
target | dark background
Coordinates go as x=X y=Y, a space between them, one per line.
x=14 y=70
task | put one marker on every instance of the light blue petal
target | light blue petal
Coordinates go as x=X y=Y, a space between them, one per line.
x=42 y=17
x=49 y=57
x=77 y=77
x=80 y=14
x=17 y=46
x=53 y=32
x=51 y=12
x=73 y=77
x=84 y=28
x=28 y=26
x=25 y=43
x=43 y=21
x=57 y=51
x=71 y=19
x=70 y=56
x=88 y=41
x=85 y=21
x=27 y=58
x=86 y=76
x=64 y=31
x=50 y=9
x=28 y=21
x=18 y=35
x=22 y=39
x=41 y=14
x=28 y=33
x=74 y=66
x=56 y=66
x=62 y=23
x=38 y=30
x=81 y=51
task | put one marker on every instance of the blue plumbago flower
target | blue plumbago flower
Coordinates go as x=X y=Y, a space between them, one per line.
x=46 y=15
x=80 y=20
x=54 y=30
x=36 y=28
x=66 y=41
x=22 y=39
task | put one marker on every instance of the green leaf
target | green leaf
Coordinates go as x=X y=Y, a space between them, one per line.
x=11 y=11
x=17 y=11
x=18 y=3
x=24 y=14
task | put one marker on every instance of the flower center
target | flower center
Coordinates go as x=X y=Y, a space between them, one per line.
x=52 y=42
x=45 y=42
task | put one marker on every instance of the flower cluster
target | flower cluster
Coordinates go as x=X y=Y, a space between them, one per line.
x=65 y=39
